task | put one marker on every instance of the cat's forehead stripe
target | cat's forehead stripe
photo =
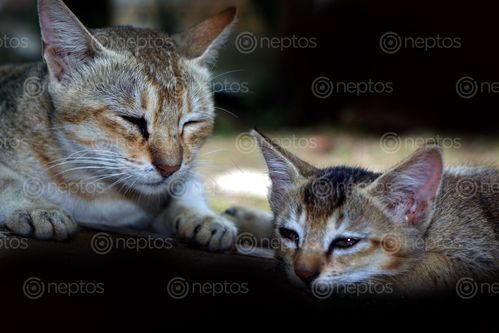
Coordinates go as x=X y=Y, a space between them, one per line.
x=144 y=100
x=328 y=191
x=189 y=105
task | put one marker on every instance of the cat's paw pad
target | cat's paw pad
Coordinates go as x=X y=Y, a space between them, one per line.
x=42 y=223
x=213 y=232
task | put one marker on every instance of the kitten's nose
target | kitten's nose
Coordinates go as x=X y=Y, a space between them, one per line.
x=167 y=170
x=307 y=276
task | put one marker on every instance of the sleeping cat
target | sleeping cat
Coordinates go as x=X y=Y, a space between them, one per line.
x=417 y=226
x=106 y=130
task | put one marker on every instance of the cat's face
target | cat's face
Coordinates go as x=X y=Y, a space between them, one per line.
x=132 y=104
x=346 y=225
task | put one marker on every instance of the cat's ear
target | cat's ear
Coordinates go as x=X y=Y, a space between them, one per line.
x=202 y=41
x=285 y=169
x=67 y=44
x=408 y=191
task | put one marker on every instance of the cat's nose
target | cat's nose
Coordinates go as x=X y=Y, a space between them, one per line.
x=167 y=170
x=307 y=276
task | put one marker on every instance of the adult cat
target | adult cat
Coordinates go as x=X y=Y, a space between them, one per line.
x=107 y=128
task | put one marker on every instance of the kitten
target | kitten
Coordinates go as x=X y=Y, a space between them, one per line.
x=106 y=130
x=417 y=226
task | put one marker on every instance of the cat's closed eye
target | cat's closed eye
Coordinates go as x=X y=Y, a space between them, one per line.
x=289 y=234
x=192 y=123
x=140 y=123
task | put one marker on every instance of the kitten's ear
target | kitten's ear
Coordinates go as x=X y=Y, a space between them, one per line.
x=285 y=169
x=203 y=40
x=407 y=192
x=67 y=44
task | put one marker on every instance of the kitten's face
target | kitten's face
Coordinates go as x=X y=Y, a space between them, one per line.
x=132 y=105
x=346 y=244
x=345 y=225
x=339 y=237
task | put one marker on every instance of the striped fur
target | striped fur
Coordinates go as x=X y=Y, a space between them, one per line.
x=100 y=120
x=418 y=228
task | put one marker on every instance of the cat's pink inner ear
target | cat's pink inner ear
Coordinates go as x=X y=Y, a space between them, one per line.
x=432 y=174
x=54 y=62
x=411 y=188
x=281 y=173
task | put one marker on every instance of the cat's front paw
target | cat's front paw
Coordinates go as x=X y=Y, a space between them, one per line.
x=213 y=232
x=42 y=223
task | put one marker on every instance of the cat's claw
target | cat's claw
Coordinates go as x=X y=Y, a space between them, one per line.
x=213 y=232
x=42 y=223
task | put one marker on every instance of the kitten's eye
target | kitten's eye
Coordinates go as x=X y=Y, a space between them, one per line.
x=343 y=243
x=141 y=123
x=289 y=234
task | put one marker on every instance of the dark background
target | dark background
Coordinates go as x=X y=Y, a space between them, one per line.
x=348 y=50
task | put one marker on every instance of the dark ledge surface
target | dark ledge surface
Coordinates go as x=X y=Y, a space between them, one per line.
x=167 y=285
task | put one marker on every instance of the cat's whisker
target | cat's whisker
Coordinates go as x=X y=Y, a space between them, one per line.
x=105 y=151
x=69 y=156
x=236 y=166
x=93 y=167
x=86 y=161
x=130 y=187
x=213 y=152
x=225 y=73
x=98 y=179
x=227 y=111
x=123 y=181
x=75 y=159
x=76 y=155
x=207 y=166
x=206 y=162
